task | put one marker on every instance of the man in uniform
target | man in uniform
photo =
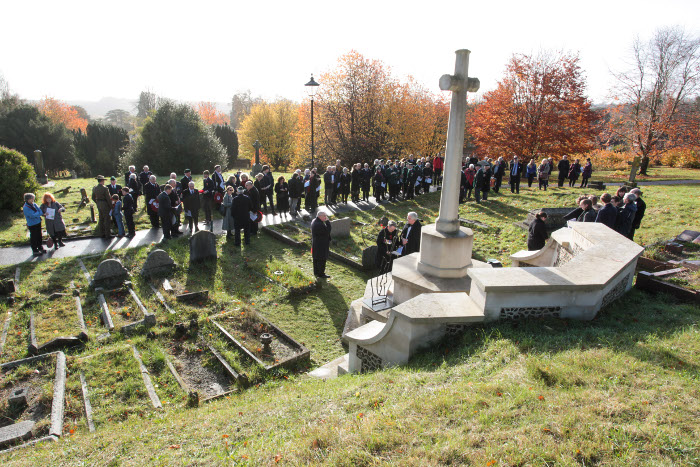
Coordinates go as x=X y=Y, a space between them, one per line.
x=103 y=200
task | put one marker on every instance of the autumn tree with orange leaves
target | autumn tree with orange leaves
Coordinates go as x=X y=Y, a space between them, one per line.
x=63 y=114
x=210 y=114
x=362 y=112
x=538 y=108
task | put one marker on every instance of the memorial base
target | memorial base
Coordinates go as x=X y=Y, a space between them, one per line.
x=445 y=255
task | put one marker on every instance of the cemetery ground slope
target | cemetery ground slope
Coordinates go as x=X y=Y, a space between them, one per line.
x=621 y=389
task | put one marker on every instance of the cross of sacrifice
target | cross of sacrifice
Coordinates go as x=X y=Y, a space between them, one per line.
x=459 y=84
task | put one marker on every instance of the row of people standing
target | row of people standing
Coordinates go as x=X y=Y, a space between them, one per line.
x=622 y=212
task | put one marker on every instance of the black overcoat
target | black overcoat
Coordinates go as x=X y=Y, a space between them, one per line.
x=320 y=238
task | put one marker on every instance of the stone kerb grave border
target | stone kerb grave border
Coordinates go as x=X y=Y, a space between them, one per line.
x=302 y=354
x=60 y=341
x=239 y=379
x=332 y=254
x=58 y=401
x=148 y=320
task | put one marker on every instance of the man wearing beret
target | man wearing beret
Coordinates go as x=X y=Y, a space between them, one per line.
x=103 y=200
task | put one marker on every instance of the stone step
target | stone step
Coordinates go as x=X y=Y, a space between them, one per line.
x=366 y=331
x=354 y=318
x=344 y=367
x=332 y=369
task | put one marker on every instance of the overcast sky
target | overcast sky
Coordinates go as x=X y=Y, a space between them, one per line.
x=208 y=50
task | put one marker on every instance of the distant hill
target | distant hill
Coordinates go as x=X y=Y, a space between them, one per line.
x=100 y=108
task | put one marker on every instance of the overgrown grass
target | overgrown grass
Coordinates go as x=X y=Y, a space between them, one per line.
x=621 y=390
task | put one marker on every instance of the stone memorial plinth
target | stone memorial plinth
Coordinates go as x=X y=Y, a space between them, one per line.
x=110 y=274
x=340 y=227
x=158 y=262
x=202 y=246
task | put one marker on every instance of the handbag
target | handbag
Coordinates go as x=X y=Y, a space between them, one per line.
x=49 y=242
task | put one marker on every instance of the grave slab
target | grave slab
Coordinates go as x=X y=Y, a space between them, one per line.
x=11 y=434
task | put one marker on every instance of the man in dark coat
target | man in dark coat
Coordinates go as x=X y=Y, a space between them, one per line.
x=165 y=211
x=641 y=207
x=410 y=235
x=537 y=236
x=151 y=190
x=516 y=173
x=320 y=243
x=254 y=196
x=329 y=181
x=176 y=206
x=208 y=196
x=563 y=168
x=127 y=175
x=218 y=178
x=241 y=208
x=185 y=181
x=145 y=176
x=129 y=208
x=481 y=181
x=588 y=214
x=191 y=202
x=608 y=213
x=296 y=189
x=114 y=188
x=268 y=184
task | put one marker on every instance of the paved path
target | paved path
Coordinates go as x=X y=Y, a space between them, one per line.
x=94 y=246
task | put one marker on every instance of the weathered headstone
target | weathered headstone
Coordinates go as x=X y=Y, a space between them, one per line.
x=157 y=262
x=257 y=167
x=110 y=273
x=40 y=171
x=633 y=171
x=369 y=256
x=202 y=246
x=340 y=227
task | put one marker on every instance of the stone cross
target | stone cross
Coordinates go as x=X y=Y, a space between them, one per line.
x=257 y=147
x=635 y=166
x=459 y=84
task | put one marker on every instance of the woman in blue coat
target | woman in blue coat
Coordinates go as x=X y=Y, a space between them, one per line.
x=33 y=213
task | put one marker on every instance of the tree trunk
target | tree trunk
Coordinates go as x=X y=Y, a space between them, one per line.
x=644 y=165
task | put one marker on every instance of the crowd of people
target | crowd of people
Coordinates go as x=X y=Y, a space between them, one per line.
x=623 y=213
x=242 y=200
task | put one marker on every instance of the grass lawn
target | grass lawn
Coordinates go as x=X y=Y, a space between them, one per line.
x=622 y=389
x=656 y=173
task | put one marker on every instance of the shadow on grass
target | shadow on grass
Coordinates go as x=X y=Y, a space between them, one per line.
x=632 y=325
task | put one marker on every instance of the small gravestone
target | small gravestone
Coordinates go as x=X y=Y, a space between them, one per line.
x=7 y=287
x=340 y=227
x=18 y=398
x=110 y=273
x=369 y=256
x=202 y=246
x=157 y=262
x=11 y=434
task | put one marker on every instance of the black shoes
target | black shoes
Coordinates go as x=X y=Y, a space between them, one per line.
x=323 y=276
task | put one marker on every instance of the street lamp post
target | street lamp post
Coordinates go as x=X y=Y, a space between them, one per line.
x=311 y=88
